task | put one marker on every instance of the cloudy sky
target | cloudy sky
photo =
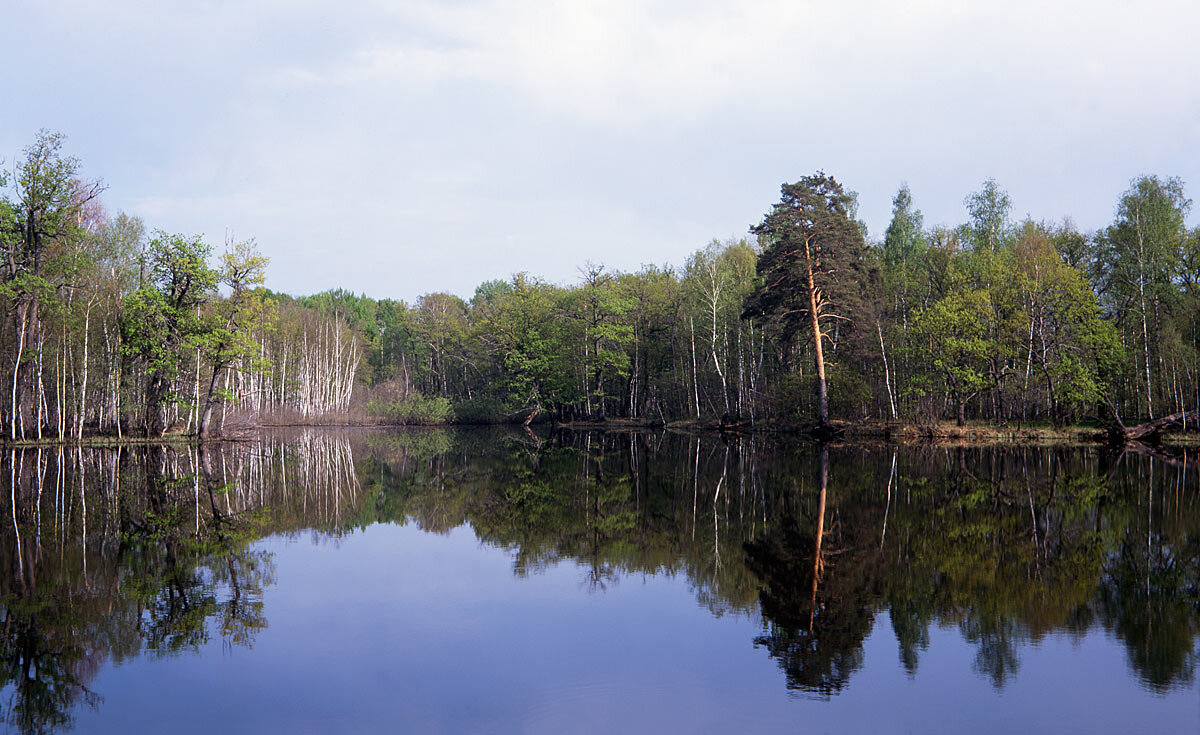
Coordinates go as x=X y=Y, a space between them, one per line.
x=404 y=147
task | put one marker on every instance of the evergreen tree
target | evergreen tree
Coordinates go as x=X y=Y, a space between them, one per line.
x=813 y=267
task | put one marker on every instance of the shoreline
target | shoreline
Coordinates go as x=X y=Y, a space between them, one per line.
x=945 y=433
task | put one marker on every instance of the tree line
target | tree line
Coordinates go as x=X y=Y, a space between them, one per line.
x=118 y=330
x=808 y=318
x=811 y=318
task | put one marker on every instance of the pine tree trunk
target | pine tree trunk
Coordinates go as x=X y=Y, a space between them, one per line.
x=822 y=395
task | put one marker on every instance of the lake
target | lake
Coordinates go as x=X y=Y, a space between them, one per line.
x=486 y=581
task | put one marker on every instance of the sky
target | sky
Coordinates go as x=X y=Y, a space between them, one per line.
x=400 y=148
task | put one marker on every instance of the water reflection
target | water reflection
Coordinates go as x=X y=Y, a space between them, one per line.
x=821 y=588
x=1007 y=546
x=114 y=554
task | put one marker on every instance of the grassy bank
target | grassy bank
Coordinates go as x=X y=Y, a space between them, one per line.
x=944 y=432
x=981 y=433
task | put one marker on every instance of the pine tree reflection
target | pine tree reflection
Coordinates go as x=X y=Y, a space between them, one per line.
x=818 y=602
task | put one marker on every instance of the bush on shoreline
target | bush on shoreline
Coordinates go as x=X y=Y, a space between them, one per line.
x=413 y=409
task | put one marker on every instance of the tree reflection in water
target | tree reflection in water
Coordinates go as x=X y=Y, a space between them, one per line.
x=1006 y=545
x=819 y=591
x=113 y=554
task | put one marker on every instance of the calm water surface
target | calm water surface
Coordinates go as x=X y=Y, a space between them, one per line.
x=485 y=581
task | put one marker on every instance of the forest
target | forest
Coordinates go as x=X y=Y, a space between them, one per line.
x=112 y=328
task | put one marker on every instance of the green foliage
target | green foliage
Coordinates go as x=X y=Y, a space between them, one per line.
x=810 y=228
x=161 y=321
x=524 y=331
x=953 y=335
x=485 y=410
x=602 y=306
x=413 y=409
x=988 y=209
x=904 y=256
x=1143 y=247
x=1137 y=272
x=226 y=334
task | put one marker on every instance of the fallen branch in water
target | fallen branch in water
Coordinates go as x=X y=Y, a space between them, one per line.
x=1151 y=430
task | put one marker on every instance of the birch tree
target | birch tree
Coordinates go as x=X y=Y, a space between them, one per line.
x=43 y=216
x=1138 y=259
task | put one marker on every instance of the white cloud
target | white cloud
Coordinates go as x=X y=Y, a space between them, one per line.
x=627 y=61
x=431 y=145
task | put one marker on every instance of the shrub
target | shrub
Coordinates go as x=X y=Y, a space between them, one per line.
x=479 y=411
x=413 y=409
